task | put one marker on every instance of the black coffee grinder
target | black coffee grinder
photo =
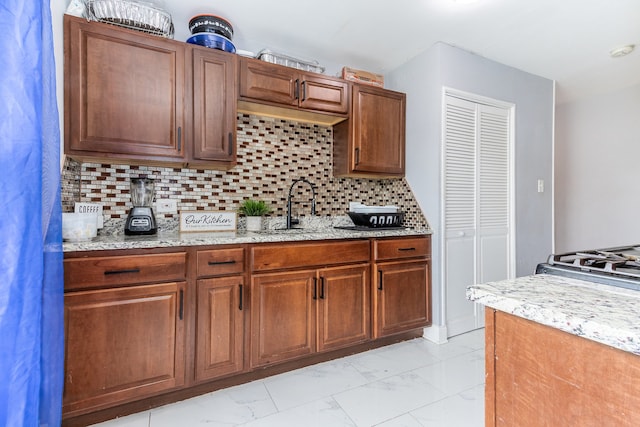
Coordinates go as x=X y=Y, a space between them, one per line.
x=141 y=219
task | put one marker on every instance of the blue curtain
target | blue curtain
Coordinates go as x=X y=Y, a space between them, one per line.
x=31 y=284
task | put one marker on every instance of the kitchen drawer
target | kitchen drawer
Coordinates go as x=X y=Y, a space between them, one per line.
x=308 y=255
x=99 y=272
x=402 y=248
x=218 y=262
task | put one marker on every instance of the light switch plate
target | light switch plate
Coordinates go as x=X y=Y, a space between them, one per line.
x=169 y=206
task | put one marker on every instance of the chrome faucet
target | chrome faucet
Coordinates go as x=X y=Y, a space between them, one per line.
x=313 y=201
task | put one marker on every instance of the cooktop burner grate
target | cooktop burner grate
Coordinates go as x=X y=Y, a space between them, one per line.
x=618 y=266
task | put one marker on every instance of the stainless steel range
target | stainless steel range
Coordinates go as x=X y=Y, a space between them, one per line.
x=618 y=266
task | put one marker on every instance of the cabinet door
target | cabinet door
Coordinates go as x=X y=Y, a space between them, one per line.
x=401 y=297
x=260 y=80
x=379 y=130
x=122 y=344
x=343 y=310
x=372 y=141
x=214 y=105
x=289 y=87
x=123 y=93
x=219 y=329
x=323 y=94
x=282 y=316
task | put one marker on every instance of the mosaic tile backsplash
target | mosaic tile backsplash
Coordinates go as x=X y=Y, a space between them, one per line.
x=271 y=154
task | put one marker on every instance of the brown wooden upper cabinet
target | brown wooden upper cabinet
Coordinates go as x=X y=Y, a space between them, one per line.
x=285 y=86
x=136 y=97
x=371 y=143
x=214 y=107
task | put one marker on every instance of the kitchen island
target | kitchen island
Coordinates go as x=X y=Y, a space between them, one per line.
x=560 y=352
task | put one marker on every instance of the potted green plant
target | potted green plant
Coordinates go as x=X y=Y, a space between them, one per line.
x=254 y=210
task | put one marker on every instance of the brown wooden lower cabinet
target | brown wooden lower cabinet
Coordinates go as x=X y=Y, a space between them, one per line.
x=401 y=279
x=537 y=375
x=220 y=327
x=401 y=296
x=343 y=311
x=220 y=314
x=122 y=344
x=282 y=317
x=299 y=313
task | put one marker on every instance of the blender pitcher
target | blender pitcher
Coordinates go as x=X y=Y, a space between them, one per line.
x=141 y=219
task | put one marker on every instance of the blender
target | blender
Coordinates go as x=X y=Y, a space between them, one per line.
x=141 y=219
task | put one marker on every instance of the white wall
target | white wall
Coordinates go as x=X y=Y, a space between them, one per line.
x=423 y=79
x=598 y=171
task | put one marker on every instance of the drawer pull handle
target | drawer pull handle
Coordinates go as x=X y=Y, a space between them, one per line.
x=296 y=89
x=230 y=144
x=181 y=311
x=304 y=90
x=241 y=296
x=379 y=280
x=406 y=249
x=315 y=288
x=357 y=155
x=322 y=288
x=132 y=270
x=221 y=262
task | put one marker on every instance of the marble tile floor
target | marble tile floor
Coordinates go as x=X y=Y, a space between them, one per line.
x=410 y=384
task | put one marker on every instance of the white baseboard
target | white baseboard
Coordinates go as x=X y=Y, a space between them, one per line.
x=436 y=334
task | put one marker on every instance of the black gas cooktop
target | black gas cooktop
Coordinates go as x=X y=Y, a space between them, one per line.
x=618 y=266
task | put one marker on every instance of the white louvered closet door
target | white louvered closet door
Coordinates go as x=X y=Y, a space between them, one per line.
x=476 y=205
x=493 y=195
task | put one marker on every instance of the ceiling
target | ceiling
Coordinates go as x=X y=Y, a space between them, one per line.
x=564 y=40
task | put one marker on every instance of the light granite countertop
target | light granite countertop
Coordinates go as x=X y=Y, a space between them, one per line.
x=174 y=238
x=602 y=313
